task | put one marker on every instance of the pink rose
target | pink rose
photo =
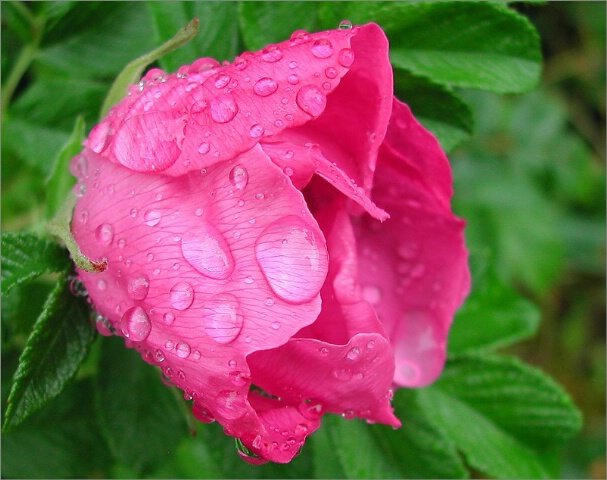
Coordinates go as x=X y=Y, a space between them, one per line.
x=281 y=222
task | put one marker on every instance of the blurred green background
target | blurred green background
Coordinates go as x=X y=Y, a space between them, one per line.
x=531 y=180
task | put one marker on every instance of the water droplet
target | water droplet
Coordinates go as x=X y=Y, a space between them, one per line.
x=322 y=48
x=288 y=171
x=265 y=86
x=299 y=36
x=168 y=318
x=311 y=100
x=345 y=25
x=248 y=280
x=222 y=318
x=121 y=243
x=241 y=63
x=371 y=294
x=137 y=286
x=159 y=356
x=330 y=73
x=103 y=325
x=348 y=414
x=324 y=351
x=204 y=148
x=150 y=257
x=199 y=212
x=238 y=379
x=346 y=57
x=353 y=353
x=207 y=251
x=104 y=233
x=223 y=108
x=293 y=79
x=151 y=218
x=275 y=325
x=98 y=138
x=182 y=350
x=408 y=250
x=102 y=285
x=256 y=131
x=196 y=355
x=232 y=363
x=271 y=54
x=371 y=344
x=311 y=410
x=182 y=296
x=168 y=345
x=135 y=324
x=84 y=216
x=295 y=270
x=221 y=80
x=239 y=177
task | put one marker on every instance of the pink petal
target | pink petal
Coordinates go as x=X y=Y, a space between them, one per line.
x=413 y=267
x=352 y=379
x=203 y=269
x=203 y=117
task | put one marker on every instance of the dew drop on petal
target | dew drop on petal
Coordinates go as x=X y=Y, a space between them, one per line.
x=293 y=79
x=223 y=108
x=311 y=100
x=322 y=48
x=330 y=73
x=292 y=258
x=239 y=177
x=346 y=57
x=345 y=25
x=182 y=349
x=207 y=251
x=271 y=54
x=168 y=318
x=181 y=296
x=221 y=80
x=204 y=148
x=353 y=353
x=135 y=324
x=99 y=136
x=256 y=131
x=151 y=218
x=222 y=318
x=104 y=233
x=137 y=286
x=265 y=86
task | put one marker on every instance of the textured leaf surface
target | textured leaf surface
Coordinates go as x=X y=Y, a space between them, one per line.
x=440 y=110
x=217 y=35
x=59 y=342
x=493 y=316
x=140 y=417
x=498 y=412
x=26 y=256
x=466 y=44
x=264 y=23
x=417 y=450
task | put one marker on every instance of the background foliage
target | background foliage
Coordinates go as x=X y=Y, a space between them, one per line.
x=529 y=173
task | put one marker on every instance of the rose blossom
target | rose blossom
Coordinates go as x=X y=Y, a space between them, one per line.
x=281 y=222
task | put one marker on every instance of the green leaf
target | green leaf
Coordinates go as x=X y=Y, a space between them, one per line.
x=61 y=181
x=97 y=39
x=439 y=109
x=493 y=316
x=503 y=415
x=264 y=23
x=217 y=35
x=59 y=342
x=466 y=44
x=140 y=417
x=26 y=256
x=417 y=450
x=30 y=143
x=59 y=441
x=133 y=71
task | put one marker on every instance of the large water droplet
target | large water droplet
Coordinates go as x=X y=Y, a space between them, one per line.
x=137 y=286
x=265 y=86
x=151 y=218
x=322 y=48
x=204 y=148
x=182 y=350
x=223 y=108
x=104 y=233
x=292 y=258
x=239 y=177
x=311 y=100
x=311 y=410
x=299 y=37
x=345 y=25
x=221 y=80
x=182 y=296
x=346 y=57
x=99 y=136
x=271 y=54
x=135 y=324
x=256 y=131
x=207 y=251
x=222 y=318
